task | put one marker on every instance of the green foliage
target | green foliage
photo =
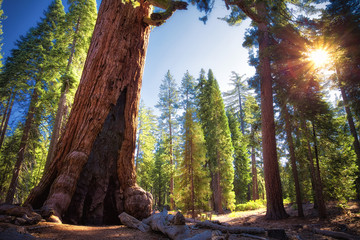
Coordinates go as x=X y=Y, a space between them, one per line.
x=217 y=136
x=251 y=205
x=338 y=162
x=168 y=106
x=161 y=175
x=193 y=188
x=241 y=160
x=38 y=63
x=145 y=151
x=194 y=181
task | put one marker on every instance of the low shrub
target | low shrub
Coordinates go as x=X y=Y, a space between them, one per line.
x=251 y=205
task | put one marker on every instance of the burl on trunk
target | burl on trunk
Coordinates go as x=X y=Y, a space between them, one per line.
x=92 y=176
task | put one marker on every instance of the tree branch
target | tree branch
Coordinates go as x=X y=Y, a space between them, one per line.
x=246 y=9
x=170 y=7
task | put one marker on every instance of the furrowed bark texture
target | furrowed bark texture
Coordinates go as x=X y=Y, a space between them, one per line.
x=109 y=90
x=275 y=208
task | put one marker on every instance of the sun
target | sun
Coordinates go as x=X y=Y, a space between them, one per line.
x=319 y=57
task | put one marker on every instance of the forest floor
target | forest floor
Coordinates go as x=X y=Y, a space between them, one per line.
x=340 y=219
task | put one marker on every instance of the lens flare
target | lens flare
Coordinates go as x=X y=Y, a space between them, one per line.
x=319 y=57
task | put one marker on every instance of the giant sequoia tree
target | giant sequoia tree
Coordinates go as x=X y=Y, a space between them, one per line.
x=92 y=176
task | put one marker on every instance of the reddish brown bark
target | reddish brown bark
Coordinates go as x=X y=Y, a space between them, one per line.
x=111 y=81
x=275 y=208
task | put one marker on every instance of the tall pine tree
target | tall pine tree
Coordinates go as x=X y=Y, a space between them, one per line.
x=218 y=142
x=194 y=183
x=241 y=160
x=168 y=106
x=79 y=26
x=40 y=67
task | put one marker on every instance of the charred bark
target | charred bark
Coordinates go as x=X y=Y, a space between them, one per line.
x=110 y=85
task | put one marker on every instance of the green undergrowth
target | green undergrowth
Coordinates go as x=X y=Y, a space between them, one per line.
x=251 y=205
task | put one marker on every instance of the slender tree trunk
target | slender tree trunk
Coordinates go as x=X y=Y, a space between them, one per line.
x=241 y=112
x=172 y=202
x=8 y=114
x=317 y=182
x=5 y=113
x=192 y=188
x=321 y=200
x=290 y=141
x=110 y=83
x=353 y=131
x=138 y=147
x=23 y=144
x=275 y=206
x=255 y=188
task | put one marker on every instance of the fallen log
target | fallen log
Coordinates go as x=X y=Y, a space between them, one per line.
x=18 y=215
x=207 y=235
x=252 y=236
x=172 y=226
x=230 y=229
x=132 y=222
x=337 y=235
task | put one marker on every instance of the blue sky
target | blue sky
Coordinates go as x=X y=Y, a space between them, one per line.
x=182 y=43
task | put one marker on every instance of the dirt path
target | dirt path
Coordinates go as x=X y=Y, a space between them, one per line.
x=342 y=220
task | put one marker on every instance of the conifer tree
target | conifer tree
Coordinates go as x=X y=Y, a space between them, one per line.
x=241 y=160
x=79 y=26
x=161 y=173
x=340 y=25
x=218 y=142
x=194 y=183
x=236 y=97
x=40 y=44
x=252 y=118
x=145 y=154
x=1 y=31
x=168 y=105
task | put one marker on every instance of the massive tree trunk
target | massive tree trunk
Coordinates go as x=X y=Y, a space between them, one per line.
x=23 y=144
x=93 y=168
x=275 y=206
